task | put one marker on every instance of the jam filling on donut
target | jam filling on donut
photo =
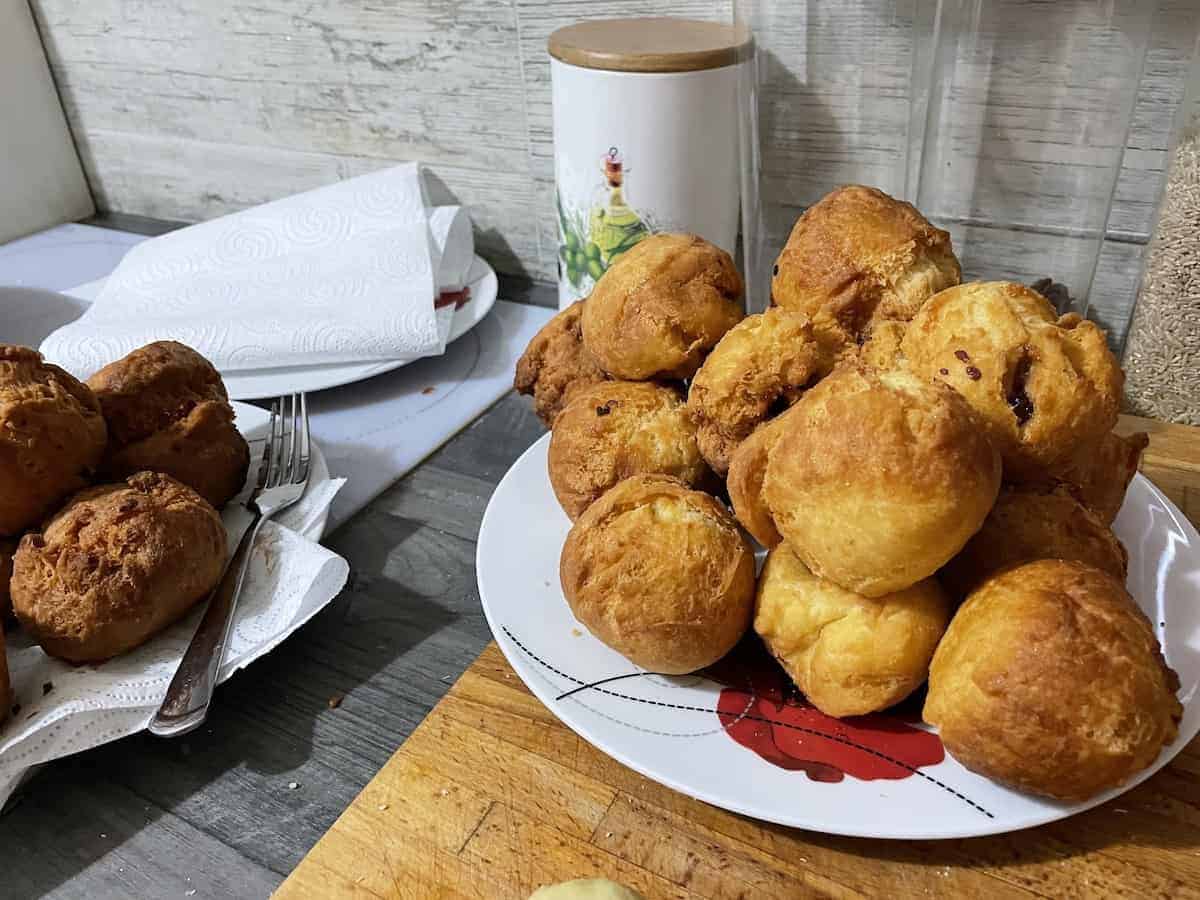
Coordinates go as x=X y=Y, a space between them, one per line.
x=781 y=404
x=1018 y=399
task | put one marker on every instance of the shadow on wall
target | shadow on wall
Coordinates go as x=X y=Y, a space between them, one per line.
x=833 y=103
x=489 y=242
x=797 y=128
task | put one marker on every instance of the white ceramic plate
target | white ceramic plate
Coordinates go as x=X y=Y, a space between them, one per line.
x=875 y=776
x=481 y=283
x=28 y=315
x=483 y=286
x=98 y=705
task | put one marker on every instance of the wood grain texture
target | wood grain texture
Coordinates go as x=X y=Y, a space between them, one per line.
x=1172 y=461
x=190 y=180
x=327 y=76
x=491 y=797
x=474 y=827
x=213 y=812
x=651 y=44
x=187 y=111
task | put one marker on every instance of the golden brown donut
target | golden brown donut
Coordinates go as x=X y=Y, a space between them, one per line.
x=660 y=573
x=849 y=655
x=1043 y=386
x=765 y=360
x=615 y=429
x=1050 y=680
x=7 y=549
x=51 y=437
x=880 y=478
x=556 y=363
x=661 y=306
x=883 y=349
x=858 y=256
x=117 y=564
x=167 y=411
x=1098 y=473
x=747 y=469
x=1030 y=523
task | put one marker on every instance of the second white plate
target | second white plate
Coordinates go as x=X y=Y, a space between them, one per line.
x=737 y=737
x=482 y=285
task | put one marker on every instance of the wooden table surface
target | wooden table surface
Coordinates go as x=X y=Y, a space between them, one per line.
x=491 y=796
x=213 y=812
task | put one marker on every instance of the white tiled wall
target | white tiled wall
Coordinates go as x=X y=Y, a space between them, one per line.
x=187 y=110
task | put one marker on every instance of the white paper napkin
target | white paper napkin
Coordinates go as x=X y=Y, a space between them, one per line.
x=343 y=273
x=63 y=709
x=453 y=246
x=452 y=236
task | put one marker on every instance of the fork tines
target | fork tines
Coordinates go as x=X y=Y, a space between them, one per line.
x=287 y=448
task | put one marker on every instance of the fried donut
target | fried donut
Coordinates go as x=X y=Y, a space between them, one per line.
x=1099 y=473
x=849 y=655
x=1043 y=386
x=1028 y=524
x=51 y=437
x=763 y=361
x=747 y=469
x=615 y=429
x=556 y=363
x=880 y=478
x=1050 y=680
x=660 y=573
x=661 y=307
x=858 y=257
x=167 y=411
x=116 y=565
x=882 y=350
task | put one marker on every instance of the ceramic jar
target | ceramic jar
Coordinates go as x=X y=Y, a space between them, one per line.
x=646 y=137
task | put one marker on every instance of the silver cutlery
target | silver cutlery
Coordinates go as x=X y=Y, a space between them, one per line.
x=282 y=478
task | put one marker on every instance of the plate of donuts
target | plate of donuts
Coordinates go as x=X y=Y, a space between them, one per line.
x=737 y=735
x=122 y=498
x=873 y=562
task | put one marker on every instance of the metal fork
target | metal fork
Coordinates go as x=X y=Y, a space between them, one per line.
x=282 y=478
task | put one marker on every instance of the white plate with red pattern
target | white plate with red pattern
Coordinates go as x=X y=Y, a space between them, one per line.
x=741 y=738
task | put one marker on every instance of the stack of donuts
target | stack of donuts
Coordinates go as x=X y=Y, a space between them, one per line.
x=930 y=465
x=109 y=498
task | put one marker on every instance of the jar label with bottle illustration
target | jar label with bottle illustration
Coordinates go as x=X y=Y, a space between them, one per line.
x=638 y=153
x=591 y=239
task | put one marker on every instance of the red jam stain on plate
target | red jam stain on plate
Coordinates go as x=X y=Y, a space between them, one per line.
x=458 y=298
x=761 y=710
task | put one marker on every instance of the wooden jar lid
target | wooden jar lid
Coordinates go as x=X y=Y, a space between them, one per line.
x=651 y=45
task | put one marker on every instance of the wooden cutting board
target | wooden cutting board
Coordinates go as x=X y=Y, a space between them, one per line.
x=492 y=797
